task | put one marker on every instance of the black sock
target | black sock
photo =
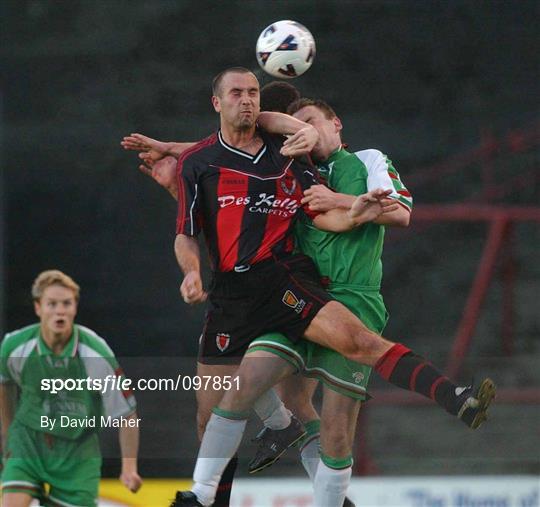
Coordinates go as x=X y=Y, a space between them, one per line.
x=403 y=368
x=223 y=494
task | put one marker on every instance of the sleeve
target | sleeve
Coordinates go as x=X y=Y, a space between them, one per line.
x=116 y=402
x=5 y=374
x=382 y=174
x=306 y=176
x=187 y=221
x=100 y=365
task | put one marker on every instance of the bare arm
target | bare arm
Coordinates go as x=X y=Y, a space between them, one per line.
x=365 y=208
x=400 y=217
x=152 y=149
x=280 y=123
x=303 y=136
x=129 y=447
x=8 y=401
x=334 y=220
x=186 y=249
x=163 y=172
x=321 y=198
x=158 y=159
x=176 y=149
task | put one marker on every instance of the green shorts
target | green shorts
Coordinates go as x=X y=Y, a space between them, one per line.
x=71 y=468
x=331 y=368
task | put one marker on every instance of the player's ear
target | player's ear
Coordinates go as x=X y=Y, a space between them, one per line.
x=216 y=104
x=337 y=124
x=37 y=308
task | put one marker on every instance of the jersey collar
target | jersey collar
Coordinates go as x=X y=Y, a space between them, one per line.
x=336 y=155
x=254 y=158
x=326 y=166
x=70 y=350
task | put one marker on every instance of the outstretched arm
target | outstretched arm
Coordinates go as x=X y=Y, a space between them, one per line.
x=303 y=136
x=158 y=159
x=163 y=172
x=321 y=198
x=365 y=208
x=129 y=447
x=152 y=150
x=400 y=217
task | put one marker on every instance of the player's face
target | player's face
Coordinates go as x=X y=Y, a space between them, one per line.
x=329 y=130
x=239 y=101
x=56 y=310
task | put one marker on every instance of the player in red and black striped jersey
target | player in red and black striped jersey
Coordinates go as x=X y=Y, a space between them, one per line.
x=246 y=298
x=240 y=188
x=254 y=296
x=245 y=203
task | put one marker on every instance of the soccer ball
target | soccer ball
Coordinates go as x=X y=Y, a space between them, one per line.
x=285 y=49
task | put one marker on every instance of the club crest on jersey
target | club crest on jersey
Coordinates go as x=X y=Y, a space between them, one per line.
x=222 y=341
x=292 y=301
x=358 y=376
x=57 y=363
x=289 y=190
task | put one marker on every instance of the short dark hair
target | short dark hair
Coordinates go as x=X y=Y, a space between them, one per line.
x=216 y=82
x=329 y=113
x=278 y=95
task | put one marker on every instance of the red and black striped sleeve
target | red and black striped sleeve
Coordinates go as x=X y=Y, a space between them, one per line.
x=189 y=169
x=307 y=175
x=188 y=196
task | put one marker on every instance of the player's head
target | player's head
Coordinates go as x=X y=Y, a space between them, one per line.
x=236 y=98
x=278 y=96
x=55 y=296
x=319 y=114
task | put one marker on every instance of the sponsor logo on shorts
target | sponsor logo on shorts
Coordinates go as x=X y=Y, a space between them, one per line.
x=358 y=376
x=222 y=341
x=291 y=300
x=306 y=310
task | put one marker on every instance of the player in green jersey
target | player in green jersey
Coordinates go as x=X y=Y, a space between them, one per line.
x=342 y=377
x=351 y=264
x=49 y=437
x=261 y=369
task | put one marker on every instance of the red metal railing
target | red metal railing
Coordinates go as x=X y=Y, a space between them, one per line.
x=501 y=221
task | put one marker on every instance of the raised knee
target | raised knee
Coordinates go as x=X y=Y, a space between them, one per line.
x=363 y=346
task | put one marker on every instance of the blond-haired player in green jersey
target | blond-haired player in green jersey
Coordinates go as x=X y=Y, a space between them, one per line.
x=49 y=437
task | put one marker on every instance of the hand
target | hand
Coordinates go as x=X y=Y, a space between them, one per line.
x=151 y=150
x=320 y=198
x=131 y=480
x=192 y=290
x=369 y=206
x=300 y=143
x=163 y=172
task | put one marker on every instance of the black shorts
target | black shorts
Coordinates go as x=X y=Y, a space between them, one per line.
x=273 y=296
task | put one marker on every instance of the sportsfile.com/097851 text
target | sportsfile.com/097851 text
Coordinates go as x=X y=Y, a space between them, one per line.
x=120 y=383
